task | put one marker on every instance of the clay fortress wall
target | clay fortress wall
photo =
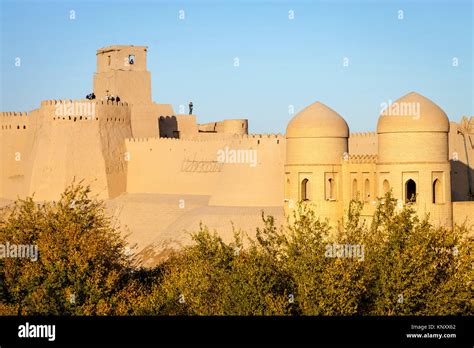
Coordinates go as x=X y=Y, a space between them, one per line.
x=135 y=145
x=43 y=151
x=138 y=146
x=251 y=175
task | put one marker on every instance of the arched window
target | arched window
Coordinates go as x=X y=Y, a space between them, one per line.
x=437 y=191
x=305 y=190
x=355 y=192
x=385 y=186
x=410 y=191
x=366 y=190
x=332 y=189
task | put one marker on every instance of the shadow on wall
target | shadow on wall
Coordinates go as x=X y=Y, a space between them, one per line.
x=462 y=184
x=168 y=127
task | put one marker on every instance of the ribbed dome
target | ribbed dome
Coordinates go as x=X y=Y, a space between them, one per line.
x=413 y=113
x=317 y=121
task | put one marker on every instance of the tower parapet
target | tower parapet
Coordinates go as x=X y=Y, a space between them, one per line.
x=122 y=72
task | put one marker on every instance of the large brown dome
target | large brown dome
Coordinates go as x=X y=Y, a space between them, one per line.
x=413 y=113
x=317 y=121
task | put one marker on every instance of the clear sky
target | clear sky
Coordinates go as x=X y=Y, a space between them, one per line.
x=282 y=61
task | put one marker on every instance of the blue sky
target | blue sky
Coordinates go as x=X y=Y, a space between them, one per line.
x=283 y=61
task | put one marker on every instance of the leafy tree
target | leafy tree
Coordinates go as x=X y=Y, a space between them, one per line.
x=415 y=268
x=215 y=278
x=405 y=266
x=81 y=261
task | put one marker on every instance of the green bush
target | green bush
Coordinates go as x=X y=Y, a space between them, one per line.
x=81 y=262
x=408 y=267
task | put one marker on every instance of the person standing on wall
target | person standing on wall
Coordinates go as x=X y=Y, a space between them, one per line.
x=190 y=107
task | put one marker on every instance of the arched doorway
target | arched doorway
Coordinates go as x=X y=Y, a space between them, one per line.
x=366 y=190
x=437 y=191
x=410 y=191
x=385 y=186
x=331 y=190
x=355 y=192
x=305 y=188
